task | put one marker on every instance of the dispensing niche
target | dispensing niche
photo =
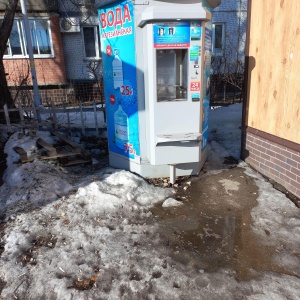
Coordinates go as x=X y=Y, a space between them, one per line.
x=172 y=73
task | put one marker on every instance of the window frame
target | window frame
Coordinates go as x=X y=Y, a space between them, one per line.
x=97 y=43
x=218 y=51
x=21 y=32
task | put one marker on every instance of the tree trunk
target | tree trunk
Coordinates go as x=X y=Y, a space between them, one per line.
x=5 y=96
x=5 y=30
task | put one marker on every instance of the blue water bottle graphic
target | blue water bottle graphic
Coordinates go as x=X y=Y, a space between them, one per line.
x=121 y=128
x=117 y=70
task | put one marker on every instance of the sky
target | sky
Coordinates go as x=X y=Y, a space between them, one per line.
x=87 y=227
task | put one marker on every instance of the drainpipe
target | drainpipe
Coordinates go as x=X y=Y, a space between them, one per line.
x=36 y=94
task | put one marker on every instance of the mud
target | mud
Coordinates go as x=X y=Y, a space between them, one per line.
x=212 y=229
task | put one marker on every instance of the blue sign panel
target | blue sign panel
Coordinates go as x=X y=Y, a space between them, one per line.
x=196 y=30
x=206 y=96
x=119 y=74
x=171 y=35
x=206 y=69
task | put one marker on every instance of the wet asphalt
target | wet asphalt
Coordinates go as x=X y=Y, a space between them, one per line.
x=212 y=228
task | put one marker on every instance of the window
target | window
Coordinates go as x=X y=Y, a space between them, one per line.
x=218 y=38
x=40 y=36
x=91 y=42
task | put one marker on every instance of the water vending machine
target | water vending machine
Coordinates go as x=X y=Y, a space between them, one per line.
x=156 y=69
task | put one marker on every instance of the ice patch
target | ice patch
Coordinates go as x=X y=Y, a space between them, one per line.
x=230 y=185
x=171 y=202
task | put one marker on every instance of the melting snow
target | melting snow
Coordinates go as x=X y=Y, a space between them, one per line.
x=96 y=231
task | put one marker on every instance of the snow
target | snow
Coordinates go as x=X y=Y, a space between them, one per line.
x=99 y=224
x=171 y=202
x=74 y=118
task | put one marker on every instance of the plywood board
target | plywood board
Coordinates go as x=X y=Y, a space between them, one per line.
x=274 y=70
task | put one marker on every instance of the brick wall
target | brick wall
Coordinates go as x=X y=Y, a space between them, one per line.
x=274 y=157
x=48 y=70
x=69 y=94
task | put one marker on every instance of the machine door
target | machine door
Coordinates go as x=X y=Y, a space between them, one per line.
x=173 y=91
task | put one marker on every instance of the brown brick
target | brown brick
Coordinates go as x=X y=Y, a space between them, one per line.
x=264 y=167
x=270 y=152
x=255 y=152
x=291 y=175
x=296 y=157
x=266 y=144
x=285 y=178
x=291 y=188
x=295 y=171
x=295 y=152
x=284 y=165
x=257 y=142
x=291 y=162
x=270 y=164
x=279 y=169
x=250 y=144
x=296 y=184
x=251 y=141
x=252 y=162
x=261 y=149
x=286 y=153
x=265 y=156
x=274 y=173
x=274 y=160
x=263 y=171
x=280 y=157
x=274 y=148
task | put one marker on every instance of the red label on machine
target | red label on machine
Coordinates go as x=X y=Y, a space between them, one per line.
x=195 y=86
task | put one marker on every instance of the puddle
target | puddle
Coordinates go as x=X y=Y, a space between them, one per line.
x=212 y=230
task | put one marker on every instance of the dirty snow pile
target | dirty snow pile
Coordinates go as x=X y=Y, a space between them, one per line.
x=277 y=220
x=88 y=234
x=55 y=238
x=36 y=182
x=92 y=235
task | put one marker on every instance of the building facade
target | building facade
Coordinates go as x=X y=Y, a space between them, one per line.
x=228 y=45
x=271 y=118
x=229 y=28
x=66 y=50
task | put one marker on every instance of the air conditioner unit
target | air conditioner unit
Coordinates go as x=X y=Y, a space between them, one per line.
x=70 y=24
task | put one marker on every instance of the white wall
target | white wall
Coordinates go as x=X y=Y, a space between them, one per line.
x=76 y=65
x=234 y=14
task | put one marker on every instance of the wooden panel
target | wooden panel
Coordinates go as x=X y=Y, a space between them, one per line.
x=51 y=151
x=274 y=69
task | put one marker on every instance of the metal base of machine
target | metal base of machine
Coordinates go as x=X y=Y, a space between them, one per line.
x=147 y=170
